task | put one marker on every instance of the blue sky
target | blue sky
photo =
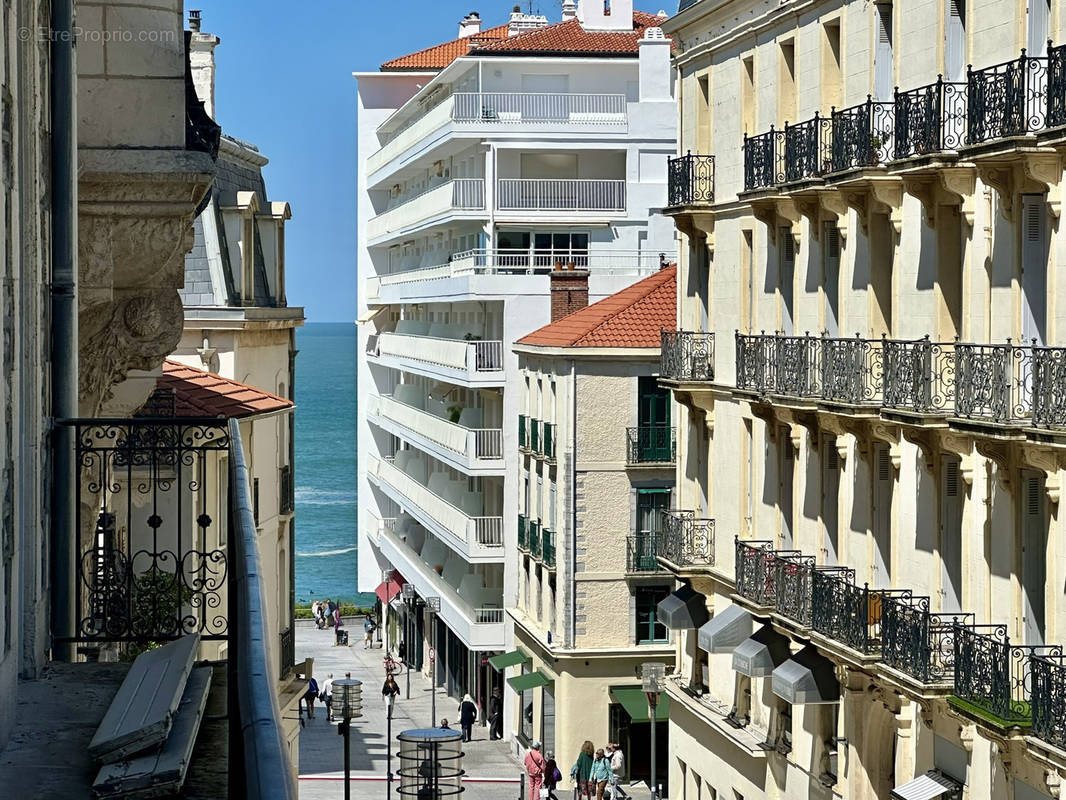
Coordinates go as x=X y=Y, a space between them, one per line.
x=284 y=82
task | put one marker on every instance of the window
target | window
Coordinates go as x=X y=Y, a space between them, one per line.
x=786 y=83
x=747 y=95
x=654 y=434
x=955 y=40
x=525 y=702
x=786 y=247
x=883 y=52
x=649 y=629
x=831 y=65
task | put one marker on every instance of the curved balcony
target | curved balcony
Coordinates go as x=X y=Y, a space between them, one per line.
x=461 y=361
x=459 y=195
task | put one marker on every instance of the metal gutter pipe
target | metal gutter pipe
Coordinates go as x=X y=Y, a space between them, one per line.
x=572 y=633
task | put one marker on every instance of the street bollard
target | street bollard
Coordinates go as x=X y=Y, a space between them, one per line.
x=521 y=785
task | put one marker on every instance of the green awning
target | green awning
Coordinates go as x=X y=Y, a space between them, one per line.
x=512 y=659
x=530 y=680
x=635 y=702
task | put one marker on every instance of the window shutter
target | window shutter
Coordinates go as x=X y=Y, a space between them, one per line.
x=883 y=53
x=952 y=488
x=788 y=244
x=831 y=455
x=955 y=40
x=884 y=465
x=1032 y=497
x=832 y=240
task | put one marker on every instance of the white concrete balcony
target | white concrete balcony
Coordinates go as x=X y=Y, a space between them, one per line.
x=466 y=363
x=561 y=194
x=459 y=197
x=481 y=626
x=475 y=538
x=475 y=451
x=408 y=135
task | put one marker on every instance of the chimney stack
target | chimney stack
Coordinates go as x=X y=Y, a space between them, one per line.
x=202 y=62
x=569 y=290
x=569 y=10
x=470 y=25
x=194 y=20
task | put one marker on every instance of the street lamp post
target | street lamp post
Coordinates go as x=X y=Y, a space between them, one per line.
x=408 y=599
x=653 y=675
x=431 y=764
x=389 y=700
x=432 y=609
x=348 y=704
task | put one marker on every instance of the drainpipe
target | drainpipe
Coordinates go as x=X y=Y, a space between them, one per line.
x=572 y=633
x=64 y=298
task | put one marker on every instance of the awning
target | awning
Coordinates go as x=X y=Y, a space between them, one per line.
x=807 y=678
x=725 y=630
x=387 y=590
x=762 y=653
x=511 y=659
x=530 y=680
x=635 y=702
x=369 y=314
x=683 y=610
x=929 y=786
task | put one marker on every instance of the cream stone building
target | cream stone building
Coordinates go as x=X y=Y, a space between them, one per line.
x=868 y=360
x=596 y=456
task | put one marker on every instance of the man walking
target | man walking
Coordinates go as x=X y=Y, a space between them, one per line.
x=618 y=770
x=495 y=715
x=467 y=716
x=327 y=697
x=368 y=633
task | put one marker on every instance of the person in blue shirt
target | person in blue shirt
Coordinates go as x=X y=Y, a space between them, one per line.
x=601 y=773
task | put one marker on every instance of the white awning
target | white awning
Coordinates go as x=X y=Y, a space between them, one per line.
x=369 y=314
x=725 y=630
x=930 y=786
x=761 y=653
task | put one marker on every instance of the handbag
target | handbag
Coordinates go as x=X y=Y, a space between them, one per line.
x=557 y=776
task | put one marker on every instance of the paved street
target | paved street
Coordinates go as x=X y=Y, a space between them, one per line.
x=492 y=774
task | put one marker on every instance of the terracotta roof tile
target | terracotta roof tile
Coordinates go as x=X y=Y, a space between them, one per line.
x=184 y=391
x=569 y=37
x=632 y=317
x=441 y=55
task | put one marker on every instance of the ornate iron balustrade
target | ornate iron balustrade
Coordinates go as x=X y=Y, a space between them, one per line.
x=862 y=136
x=286 y=490
x=992 y=676
x=1048 y=679
x=757 y=569
x=523 y=533
x=915 y=641
x=1009 y=99
x=651 y=444
x=929 y=119
x=845 y=612
x=548 y=548
x=641 y=550
x=756 y=357
x=994 y=382
x=918 y=375
x=852 y=371
x=534 y=540
x=1049 y=386
x=792 y=580
x=1056 y=86
x=686 y=540
x=287 y=650
x=795 y=365
x=690 y=180
x=687 y=356
x=808 y=149
x=764 y=160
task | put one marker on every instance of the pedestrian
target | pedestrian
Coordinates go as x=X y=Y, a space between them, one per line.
x=401 y=651
x=552 y=776
x=444 y=725
x=368 y=633
x=390 y=689
x=581 y=772
x=310 y=696
x=314 y=610
x=495 y=715
x=618 y=769
x=327 y=696
x=337 y=624
x=601 y=773
x=535 y=770
x=467 y=716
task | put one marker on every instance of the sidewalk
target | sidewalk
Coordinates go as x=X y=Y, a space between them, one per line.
x=492 y=774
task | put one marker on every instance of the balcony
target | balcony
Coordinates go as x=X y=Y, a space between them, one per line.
x=844 y=612
x=459 y=195
x=560 y=194
x=523 y=437
x=641 y=550
x=915 y=641
x=395 y=143
x=930 y=119
x=764 y=160
x=690 y=181
x=1048 y=681
x=494 y=110
x=862 y=136
x=523 y=533
x=651 y=445
x=466 y=362
x=548 y=548
x=686 y=541
x=687 y=356
x=1006 y=100
x=475 y=538
x=535 y=540
x=547 y=443
x=286 y=490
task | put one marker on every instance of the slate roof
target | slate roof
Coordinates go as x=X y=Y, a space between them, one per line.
x=184 y=391
x=633 y=317
x=441 y=55
x=569 y=38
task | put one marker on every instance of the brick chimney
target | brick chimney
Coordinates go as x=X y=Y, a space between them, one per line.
x=569 y=290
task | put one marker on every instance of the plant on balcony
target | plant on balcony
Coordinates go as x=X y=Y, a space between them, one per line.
x=454 y=412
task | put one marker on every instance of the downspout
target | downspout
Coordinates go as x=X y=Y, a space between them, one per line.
x=64 y=299
x=572 y=632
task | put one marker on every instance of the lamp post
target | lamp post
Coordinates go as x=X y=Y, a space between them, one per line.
x=653 y=674
x=408 y=599
x=432 y=609
x=348 y=703
x=389 y=700
x=431 y=764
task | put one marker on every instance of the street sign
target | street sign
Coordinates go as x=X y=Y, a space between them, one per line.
x=432 y=654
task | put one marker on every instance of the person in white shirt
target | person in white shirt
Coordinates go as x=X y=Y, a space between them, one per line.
x=327 y=690
x=618 y=769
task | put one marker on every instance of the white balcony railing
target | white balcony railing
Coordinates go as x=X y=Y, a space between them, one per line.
x=458 y=354
x=527 y=107
x=461 y=194
x=473 y=443
x=409 y=134
x=560 y=194
x=488 y=616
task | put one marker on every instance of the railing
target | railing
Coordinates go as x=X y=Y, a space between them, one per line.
x=993 y=677
x=468 y=193
x=572 y=109
x=919 y=375
x=757 y=570
x=793 y=575
x=523 y=533
x=523 y=439
x=459 y=354
x=458 y=194
x=862 y=135
x=534 y=539
x=286 y=490
x=808 y=149
x=488 y=531
x=488 y=442
x=482 y=443
x=651 y=444
x=764 y=160
x=534 y=436
x=686 y=540
x=690 y=180
x=560 y=194
x=548 y=442
x=488 y=356
x=687 y=356
x=845 y=612
x=851 y=371
x=488 y=616
x=641 y=549
x=1048 y=678
x=1008 y=99
x=930 y=119
x=286 y=651
x=994 y=382
x=916 y=642
x=548 y=547
x=1056 y=86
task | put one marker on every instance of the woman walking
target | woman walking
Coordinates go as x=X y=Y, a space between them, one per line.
x=535 y=770
x=310 y=696
x=601 y=773
x=551 y=776
x=581 y=772
x=389 y=692
x=467 y=716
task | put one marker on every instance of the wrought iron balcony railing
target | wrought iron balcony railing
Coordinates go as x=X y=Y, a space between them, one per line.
x=808 y=149
x=993 y=678
x=759 y=568
x=287 y=650
x=686 y=540
x=918 y=375
x=930 y=119
x=843 y=611
x=1009 y=99
x=548 y=547
x=690 y=180
x=916 y=642
x=523 y=533
x=641 y=549
x=1048 y=679
x=793 y=576
x=862 y=135
x=523 y=440
x=651 y=444
x=535 y=540
x=687 y=356
x=1056 y=86
x=764 y=160
x=286 y=490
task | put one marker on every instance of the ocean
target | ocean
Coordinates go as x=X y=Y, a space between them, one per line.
x=326 y=478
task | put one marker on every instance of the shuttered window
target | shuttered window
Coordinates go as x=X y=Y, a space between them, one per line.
x=955 y=40
x=883 y=52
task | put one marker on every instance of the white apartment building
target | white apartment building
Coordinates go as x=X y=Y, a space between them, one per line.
x=485 y=163
x=870 y=307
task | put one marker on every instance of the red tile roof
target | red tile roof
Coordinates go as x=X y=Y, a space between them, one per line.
x=570 y=38
x=441 y=55
x=196 y=393
x=632 y=317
